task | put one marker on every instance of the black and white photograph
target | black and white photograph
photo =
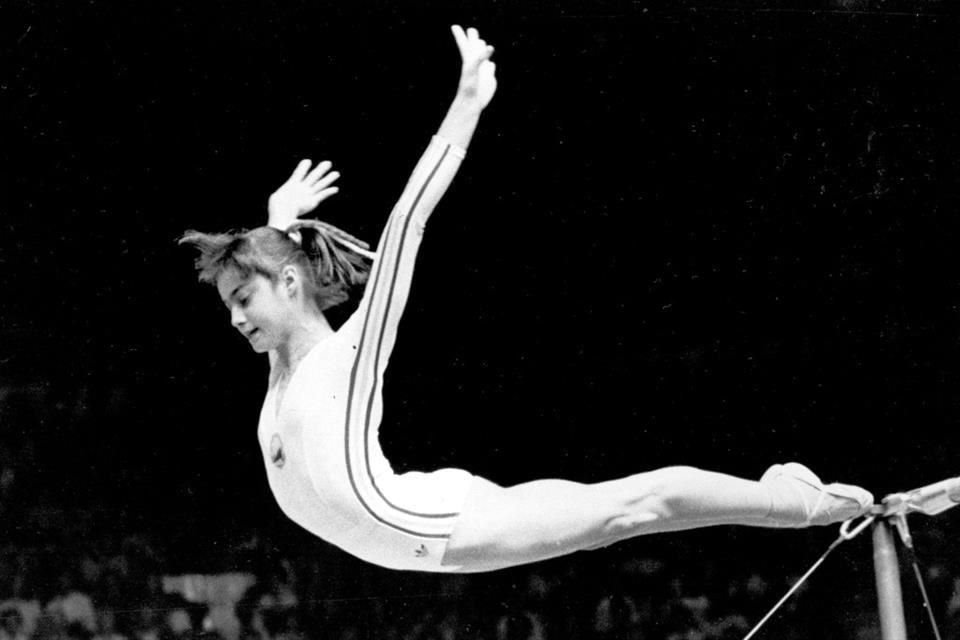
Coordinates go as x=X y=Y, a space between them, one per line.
x=611 y=320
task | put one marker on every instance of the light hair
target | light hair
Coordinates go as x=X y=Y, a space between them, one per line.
x=331 y=260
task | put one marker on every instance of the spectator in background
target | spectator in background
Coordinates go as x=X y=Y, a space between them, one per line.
x=181 y=620
x=18 y=619
x=617 y=617
x=11 y=622
x=522 y=625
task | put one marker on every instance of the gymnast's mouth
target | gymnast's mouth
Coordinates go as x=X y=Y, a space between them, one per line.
x=249 y=335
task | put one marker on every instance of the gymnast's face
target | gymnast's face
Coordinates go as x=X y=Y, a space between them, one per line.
x=258 y=308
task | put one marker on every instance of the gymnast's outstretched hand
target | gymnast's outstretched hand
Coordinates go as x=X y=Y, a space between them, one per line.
x=301 y=193
x=478 y=74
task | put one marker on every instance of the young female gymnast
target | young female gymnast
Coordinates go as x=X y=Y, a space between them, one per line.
x=319 y=423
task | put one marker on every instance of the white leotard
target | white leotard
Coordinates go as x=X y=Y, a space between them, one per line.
x=320 y=445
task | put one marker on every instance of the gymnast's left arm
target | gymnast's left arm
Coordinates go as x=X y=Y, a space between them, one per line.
x=439 y=164
x=390 y=278
x=478 y=83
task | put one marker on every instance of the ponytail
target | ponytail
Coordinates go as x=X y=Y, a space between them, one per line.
x=339 y=261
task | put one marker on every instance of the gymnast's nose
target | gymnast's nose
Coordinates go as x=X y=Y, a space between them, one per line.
x=237 y=318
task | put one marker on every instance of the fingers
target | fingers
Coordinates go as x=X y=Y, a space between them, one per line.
x=471 y=41
x=324 y=194
x=318 y=172
x=459 y=35
x=326 y=181
x=317 y=179
x=300 y=171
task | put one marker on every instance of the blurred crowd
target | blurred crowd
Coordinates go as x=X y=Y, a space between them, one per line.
x=117 y=589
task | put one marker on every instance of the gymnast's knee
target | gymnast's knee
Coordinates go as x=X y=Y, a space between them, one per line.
x=647 y=502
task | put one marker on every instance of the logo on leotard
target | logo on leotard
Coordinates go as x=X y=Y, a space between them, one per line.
x=276 y=451
x=421 y=551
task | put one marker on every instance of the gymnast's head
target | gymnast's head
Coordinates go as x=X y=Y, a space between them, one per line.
x=270 y=279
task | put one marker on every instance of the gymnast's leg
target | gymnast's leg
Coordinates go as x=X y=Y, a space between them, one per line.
x=501 y=527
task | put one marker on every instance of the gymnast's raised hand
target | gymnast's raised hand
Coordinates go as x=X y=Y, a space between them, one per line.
x=301 y=193
x=477 y=76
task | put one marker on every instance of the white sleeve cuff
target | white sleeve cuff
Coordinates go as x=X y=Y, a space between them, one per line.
x=455 y=149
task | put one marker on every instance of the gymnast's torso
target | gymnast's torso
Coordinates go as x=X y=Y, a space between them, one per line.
x=320 y=436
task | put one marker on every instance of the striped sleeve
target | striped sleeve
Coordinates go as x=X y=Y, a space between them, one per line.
x=388 y=285
x=376 y=320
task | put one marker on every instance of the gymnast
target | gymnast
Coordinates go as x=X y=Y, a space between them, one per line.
x=318 y=427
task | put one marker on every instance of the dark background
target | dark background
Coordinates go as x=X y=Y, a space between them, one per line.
x=711 y=233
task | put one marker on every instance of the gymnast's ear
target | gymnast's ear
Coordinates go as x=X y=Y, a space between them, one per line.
x=290 y=279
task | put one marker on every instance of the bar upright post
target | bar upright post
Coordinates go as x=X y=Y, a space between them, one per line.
x=887 y=570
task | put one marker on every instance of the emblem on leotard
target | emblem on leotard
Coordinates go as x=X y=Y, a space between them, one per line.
x=421 y=551
x=276 y=451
